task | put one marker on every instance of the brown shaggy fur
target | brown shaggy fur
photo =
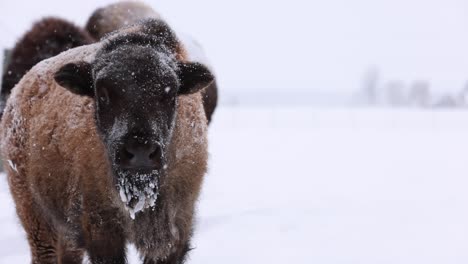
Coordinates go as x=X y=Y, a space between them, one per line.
x=114 y=16
x=46 y=38
x=59 y=174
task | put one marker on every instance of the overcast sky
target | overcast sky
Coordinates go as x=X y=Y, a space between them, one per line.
x=301 y=45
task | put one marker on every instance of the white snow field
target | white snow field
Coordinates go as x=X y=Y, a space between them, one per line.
x=302 y=185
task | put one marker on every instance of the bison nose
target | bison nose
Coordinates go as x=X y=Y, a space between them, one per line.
x=135 y=155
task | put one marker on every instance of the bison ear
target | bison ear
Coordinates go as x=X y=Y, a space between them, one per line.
x=193 y=77
x=76 y=77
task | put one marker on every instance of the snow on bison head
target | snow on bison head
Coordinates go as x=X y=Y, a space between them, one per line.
x=135 y=80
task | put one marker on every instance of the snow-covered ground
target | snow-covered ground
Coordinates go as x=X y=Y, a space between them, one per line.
x=301 y=185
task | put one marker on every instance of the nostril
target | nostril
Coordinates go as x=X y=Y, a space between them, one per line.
x=127 y=154
x=155 y=154
x=138 y=155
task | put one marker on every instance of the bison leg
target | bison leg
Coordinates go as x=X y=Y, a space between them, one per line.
x=41 y=237
x=46 y=247
x=69 y=254
x=71 y=257
x=104 y=238
x=107 y=251
x=176 y=258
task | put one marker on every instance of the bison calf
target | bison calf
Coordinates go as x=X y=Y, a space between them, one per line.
x=105 y=144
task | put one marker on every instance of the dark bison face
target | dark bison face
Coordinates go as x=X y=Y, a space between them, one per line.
x=135 y=90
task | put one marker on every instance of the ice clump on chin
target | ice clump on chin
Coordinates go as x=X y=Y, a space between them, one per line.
x=138 y=191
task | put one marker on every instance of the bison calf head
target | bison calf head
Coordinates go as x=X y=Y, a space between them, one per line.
x=135 y=80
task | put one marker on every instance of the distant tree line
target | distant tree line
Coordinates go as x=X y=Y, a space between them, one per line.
x=395 y=93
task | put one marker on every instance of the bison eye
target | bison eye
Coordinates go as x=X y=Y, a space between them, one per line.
x=105 y=89
x=104 y=95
